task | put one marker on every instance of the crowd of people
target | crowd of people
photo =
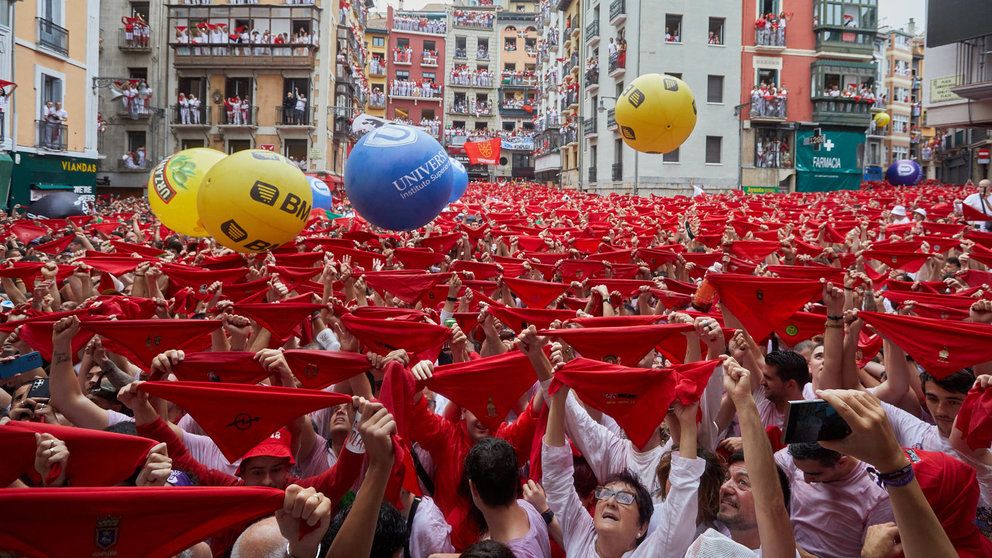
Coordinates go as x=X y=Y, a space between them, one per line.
x=54 y=120
x=463 y=75
x=377 y=98
x=420 y=24
x=859 y=93
x=408 y=88
x=135 y=159
x=770 y=29
x=189 y=109
x=536 y=373
x=472 y=106
x=769 y=101
x=465 y=18
x=486 y=133
x=772 y=152
x=214 y=39
x=377 y=66
x=135 y=95
x=238 y=111
x=518 y=77
x=136 y=31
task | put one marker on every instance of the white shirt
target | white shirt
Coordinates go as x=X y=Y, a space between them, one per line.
x=974 y=201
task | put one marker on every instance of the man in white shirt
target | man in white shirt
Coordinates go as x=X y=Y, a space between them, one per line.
x=981 y=201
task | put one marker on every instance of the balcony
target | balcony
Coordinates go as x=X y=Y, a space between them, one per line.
x=618 y=12
x=592 y=33
x=592 y=175
x=377 y=68
x=514 y=80
x=617 y=172
x=509 y=109
x=841 y=110
x=845 y=40
x=461 y=53
x=53 y=37
x=402 y=58
x=769 y=40
x=51 y=135
x=618 y=64
x=238 y=118
x=569 y=135
x=429 y=59
x=589 y=126
x=416 y=23
x=611 y=119
x=135 y=111
x=592 y=79
x=289 y=117
x=413 y=91
x=563 y=5
x=973 y=65
x=774 y=109
x=199 y=118
x=130 y=165
x=134 y=44
x=205 y=55
x=473 y=20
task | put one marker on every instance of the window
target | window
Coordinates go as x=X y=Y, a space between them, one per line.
x=5 y=13
x=135 y=140
x=771 y=148
x=238 y=87
x=233 y=146
x=401 y=113
x=51 y=89
x=713 y=147
x=768 y=6
x=136 y=9
x=402 y=75
x=403 y=43
x=193 y=85
x=52 y=10
x=508 y=126
x=430 y=45
x=428 y=114
x=673 y=28
x=671 y=156
x=429 y=76
x=510 y=67
x=191 y=143
x=714 y=89
x=715 y=36
x=768 y=77
x=295 y=149
x=480 y=126
x=378 y=41
x=510 y=44
x=137 y=73
x=294 y=85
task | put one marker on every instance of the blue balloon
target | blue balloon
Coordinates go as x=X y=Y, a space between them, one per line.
x=321 y=193
x=461 y=181
x=398 y=177
x=904 y=172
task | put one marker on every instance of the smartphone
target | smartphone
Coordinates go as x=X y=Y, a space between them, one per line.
x=39 y=390
x=812 y=421
x=450 y=322
x=19 y=365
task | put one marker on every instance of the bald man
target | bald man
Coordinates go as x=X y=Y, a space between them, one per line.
x=981 y=201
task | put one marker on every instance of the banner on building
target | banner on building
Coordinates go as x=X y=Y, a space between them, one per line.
x=483 y=152
x=518 y=143
x=828 y=160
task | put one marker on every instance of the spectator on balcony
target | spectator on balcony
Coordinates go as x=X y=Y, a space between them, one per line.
x=834 y=91
x=231 y=107
x=614 y=48
x=129 y=160
x=289 y=108
x=301 y=108
x=142 y=30
x=197 y=38
x=183 y=109
x=782 y=19
x=128 y=23
x=182 y=38
x=144 y=97
x=245 y=105
x=194 y=108
x=139 y=156
x=757 y=102
x=60 y=118
x=130 y=99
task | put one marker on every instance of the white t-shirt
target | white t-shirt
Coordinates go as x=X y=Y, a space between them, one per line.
x=974 y=201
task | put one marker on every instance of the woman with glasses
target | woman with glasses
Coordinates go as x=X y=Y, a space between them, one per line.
x=619 y=525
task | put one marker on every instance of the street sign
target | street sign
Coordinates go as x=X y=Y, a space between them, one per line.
x=984 y=156
x=816 y=140
x=268 y=146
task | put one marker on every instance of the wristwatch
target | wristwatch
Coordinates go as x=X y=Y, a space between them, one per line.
x=291 y=555
x=548 y=516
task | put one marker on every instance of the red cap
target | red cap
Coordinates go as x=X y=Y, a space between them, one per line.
x=278 y=444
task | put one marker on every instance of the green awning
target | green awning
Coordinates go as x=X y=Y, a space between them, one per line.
x=843 y=64
x=6 y=169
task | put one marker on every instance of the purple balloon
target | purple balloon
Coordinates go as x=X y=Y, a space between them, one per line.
x=904 y=172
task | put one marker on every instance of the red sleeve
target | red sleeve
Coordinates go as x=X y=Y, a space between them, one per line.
x=430 y=430
x=181 y=459
x=520 y=433
x=339 y=479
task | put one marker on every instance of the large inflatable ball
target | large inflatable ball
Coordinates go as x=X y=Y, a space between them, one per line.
x=254 y=200
x=904 y=172
x=174 y=184
x=882 y=119
x=460 y=182
x=656 y=113
x=398 y=177
x=321 y=193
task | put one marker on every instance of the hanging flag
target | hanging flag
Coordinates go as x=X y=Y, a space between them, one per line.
x=483 y=152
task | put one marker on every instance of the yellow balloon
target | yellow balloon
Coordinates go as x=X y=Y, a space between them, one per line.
x=254 y=200
x=174 y=184
x=656 y=113
x=882 y=119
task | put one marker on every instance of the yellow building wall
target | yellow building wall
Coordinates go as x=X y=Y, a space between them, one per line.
x=28 y=104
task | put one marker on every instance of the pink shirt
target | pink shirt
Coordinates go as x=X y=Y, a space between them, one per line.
x=535 y=544
x=830 y=518
x=430 y=533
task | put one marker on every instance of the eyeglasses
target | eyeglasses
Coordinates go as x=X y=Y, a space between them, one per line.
x=622 y=496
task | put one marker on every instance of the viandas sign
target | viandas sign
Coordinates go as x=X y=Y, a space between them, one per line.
x=828 y=160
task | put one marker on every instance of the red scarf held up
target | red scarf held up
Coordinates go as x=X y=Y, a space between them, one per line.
x=384 y=336
x=637 y=398
x=197 y=279
x=141 y=340
x=280 y=318
x=617 y=345
x=239 y=416
x=153 y=522
x=488 y=387
x=514 y=318
x=408 y=287
x=763 y=303
x=97 y=458
x=536 y=294
x=942 y=347
x=975 y=418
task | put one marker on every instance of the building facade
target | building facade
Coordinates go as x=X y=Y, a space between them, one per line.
x=50 y=120
x=701 y=46
x=416 y=67
x=517 y=74
x=569 y=68
x=808 y=81
x=376 y=37
x=550 y=133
